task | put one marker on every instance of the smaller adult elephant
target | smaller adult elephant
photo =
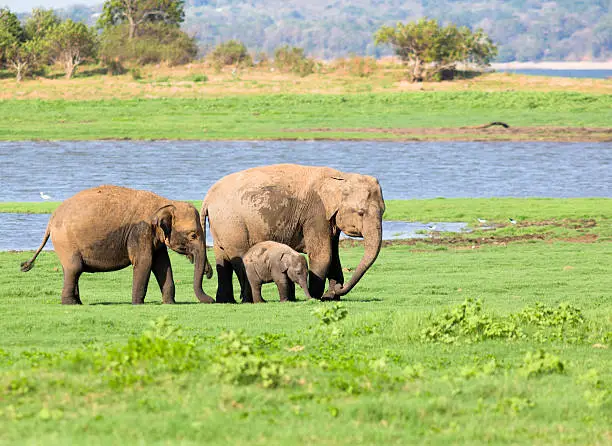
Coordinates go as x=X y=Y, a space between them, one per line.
x=275 y=262
x=107 y=228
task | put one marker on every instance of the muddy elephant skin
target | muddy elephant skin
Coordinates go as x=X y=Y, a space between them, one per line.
x=107 y=228
x=274 y=262
x=303 y=207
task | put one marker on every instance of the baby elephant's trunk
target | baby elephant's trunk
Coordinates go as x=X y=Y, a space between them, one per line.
x=303 y=283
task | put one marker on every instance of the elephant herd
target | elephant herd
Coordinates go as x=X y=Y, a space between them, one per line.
x=260 y=220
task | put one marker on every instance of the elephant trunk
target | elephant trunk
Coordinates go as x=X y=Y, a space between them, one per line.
x=372 y=238
x=304 y=284
x=201 y=267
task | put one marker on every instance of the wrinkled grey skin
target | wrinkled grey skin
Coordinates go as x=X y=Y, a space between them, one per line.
x=274 y=262
x=107 y=228
x=303 y=207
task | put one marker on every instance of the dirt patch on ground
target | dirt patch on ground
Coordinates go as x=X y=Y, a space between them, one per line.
x=465 y=243
x=476 y=133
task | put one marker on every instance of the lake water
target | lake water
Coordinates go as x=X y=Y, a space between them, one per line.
x=186 y=169
x=593 y=74
x=27 y=230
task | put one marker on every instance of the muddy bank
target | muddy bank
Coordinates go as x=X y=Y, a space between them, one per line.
x=475 y=133
x=475 y=242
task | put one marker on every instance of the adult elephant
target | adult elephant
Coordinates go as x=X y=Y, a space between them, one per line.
x=107 y=228
x=301 y=206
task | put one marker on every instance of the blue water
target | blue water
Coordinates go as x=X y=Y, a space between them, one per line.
x=594 y=74
x=185 y=170
x=28 y=231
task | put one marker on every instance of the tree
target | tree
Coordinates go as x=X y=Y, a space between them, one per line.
x=24 y=57
x=137 y=12
x=71 y=43
x=40 y=23
x=431 y=50
x=10 y=32
x=17 y=51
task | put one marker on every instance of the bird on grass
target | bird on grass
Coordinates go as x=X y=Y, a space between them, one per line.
x=481 y=221
x=45 y=196
x=512 y=221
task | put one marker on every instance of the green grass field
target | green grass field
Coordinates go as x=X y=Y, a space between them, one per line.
x=498 y=343
x=296 y=116
x=439 y=209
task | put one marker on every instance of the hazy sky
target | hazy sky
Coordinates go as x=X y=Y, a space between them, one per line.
x=27 y=5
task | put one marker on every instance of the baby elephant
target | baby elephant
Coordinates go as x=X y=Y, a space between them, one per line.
x=271 y=261
x=108 y=228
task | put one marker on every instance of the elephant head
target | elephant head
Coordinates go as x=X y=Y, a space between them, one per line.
x=296 y=267
x=178 y=227
x=355 y=205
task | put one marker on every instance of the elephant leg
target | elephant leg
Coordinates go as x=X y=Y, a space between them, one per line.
x=255 y=283
x=286 y=289
x=335 y=274
x=140 y=280
x=72 y=266
x=225 y=287
x=290 y=292
x=163 y=274
x=70 y=290
x=318 y=248
x=256 y=290
x=246 y=296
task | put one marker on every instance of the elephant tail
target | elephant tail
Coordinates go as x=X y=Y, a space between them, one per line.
x=203 y=213
x=29 y=264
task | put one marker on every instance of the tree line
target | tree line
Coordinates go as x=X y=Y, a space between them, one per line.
x=148 y=31
x=137 y=31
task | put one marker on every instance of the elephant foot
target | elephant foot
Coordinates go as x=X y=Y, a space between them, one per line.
x=330 y=296
x=71 y=301
x=169 y=302
x=227 y=300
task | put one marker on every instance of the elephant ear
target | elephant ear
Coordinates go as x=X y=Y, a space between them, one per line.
x=331 y=193
x=284 y=262
x=163 y=219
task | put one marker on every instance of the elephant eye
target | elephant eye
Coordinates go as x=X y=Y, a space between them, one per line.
x=361 y=212
x=193 y=236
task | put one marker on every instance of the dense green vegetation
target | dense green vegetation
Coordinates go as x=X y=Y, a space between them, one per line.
x=524 y=30
x=294 y=116
x=498 y=344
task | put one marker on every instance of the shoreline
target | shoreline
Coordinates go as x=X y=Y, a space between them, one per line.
x=536 y=134
x=561 y=65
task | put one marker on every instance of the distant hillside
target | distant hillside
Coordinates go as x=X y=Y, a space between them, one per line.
x=525 y=30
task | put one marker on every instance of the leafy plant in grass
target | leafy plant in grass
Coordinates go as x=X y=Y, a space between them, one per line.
x=540 y=363
x=468 y=322
x=237 y=363
x=158 y=350
x=330 y=314
x=561 y=323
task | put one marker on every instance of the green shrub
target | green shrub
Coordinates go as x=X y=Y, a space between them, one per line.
x=198 y=78
x=292 y=59
x=155 y=43
x=232 y=52
x=136 y=74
